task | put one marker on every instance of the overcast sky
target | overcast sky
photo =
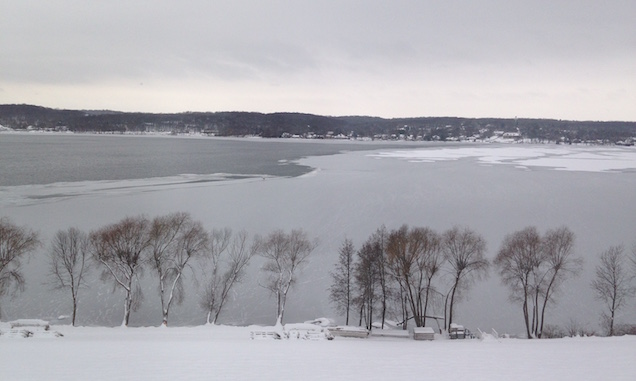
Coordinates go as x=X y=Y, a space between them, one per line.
x=502 y=58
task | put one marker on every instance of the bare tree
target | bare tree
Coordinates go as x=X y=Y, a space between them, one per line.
x=415 y=258
x=366 y=281
x=535 y=267
x=70 y=263
x=464 y=250
x=341 y=290
x=285 y=254
x=174 y=240
x=226 y=260
x=211 y=270
x=373 y=280
x=15 y=243
x=612 y=284
x=379 y=240
x=123 y=250
x=433 y=264
x=560 y=264
x=516 y=260
x=401 y=262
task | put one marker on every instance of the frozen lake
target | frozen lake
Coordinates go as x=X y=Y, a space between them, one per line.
x=493 y=189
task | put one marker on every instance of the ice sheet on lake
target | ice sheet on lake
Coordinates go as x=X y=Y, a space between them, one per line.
x=30 y=194
x=570 y=158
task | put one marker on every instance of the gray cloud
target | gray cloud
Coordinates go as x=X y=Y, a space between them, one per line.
x=303 y=43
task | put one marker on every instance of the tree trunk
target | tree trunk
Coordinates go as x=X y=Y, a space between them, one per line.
x=74 y=313
x=411 y=298
x=383 y=311
x=452 y=301
x=280 y=315
x=278 y=305
x=534 y=323
x=405 y=312
x=348 y=297
x=612 y=310
x=128 y=301
x=216 y=315
x=536 y=316
x=207 y=319
x=426 y=296
x=526 y=318
x=545 y=301
x=74 y=309
x=370 y=316
x=420 y=308
x=127 y=307
x=446 y=312
x=166 y=309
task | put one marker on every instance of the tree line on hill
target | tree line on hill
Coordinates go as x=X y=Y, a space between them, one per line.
x=408 y=273
x=274 y=125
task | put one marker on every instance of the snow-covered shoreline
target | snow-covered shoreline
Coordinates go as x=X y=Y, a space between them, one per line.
x=227 y=353
x=368 y=141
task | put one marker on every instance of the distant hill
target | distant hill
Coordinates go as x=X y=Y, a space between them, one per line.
x=23 y=117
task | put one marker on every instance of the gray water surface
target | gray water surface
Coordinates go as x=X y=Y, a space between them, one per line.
x=27 y=159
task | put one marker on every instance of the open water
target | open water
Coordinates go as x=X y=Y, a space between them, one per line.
x=27 y=159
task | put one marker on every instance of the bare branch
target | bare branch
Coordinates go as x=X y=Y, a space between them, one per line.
x=69 y=263
x=612 y=284
x=464 y=250
x=226 y=260
x=15 y=243
x=285 y=255
x=123 y=249
x=174 y=240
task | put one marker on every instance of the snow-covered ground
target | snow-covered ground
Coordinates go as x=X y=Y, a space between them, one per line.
x=228 y=353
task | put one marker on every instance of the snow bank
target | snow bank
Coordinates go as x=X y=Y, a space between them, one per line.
x=227 y=353
x=28 y=328
x=323 y=322
x=29 y=323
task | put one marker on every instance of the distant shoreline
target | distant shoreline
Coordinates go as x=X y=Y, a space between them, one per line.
x=369 y=141
x=319 y=127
